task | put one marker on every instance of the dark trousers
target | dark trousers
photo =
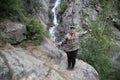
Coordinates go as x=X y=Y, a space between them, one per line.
x=71 y=57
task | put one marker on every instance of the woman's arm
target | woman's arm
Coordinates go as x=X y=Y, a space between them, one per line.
x=63 y=40
x=83 y=33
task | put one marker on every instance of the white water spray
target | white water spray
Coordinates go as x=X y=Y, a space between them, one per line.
x=52 y=34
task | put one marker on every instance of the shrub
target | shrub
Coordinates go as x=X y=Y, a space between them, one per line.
x=11 y=8
x=96 y=48
x=32 y=6
x=35 y=31
x=18 y=9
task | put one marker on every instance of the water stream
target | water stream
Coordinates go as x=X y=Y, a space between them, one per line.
x=55 y=10
x=52 y=30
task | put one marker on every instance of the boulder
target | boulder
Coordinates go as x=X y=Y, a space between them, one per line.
x=15 y=32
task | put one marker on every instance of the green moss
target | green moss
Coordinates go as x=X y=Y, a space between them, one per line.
x=2 y=38
x=63 y=7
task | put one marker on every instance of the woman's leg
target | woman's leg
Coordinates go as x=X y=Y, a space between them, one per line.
x=69 y=59
x=74 y=54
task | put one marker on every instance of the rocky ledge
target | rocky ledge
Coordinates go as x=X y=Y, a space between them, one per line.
x=44 y=62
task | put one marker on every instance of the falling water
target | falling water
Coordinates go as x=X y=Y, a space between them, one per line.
x=52 y=30
x=52 y=34
x=54 y=9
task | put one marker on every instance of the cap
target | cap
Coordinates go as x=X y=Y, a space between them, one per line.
x=72 y=27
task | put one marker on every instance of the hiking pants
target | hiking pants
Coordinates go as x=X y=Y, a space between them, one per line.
x=71 y=58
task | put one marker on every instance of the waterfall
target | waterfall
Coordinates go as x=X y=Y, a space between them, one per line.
x=52 y=34
x=52 y=30
x=54 y=9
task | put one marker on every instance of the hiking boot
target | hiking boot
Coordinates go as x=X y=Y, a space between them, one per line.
x=69 y=68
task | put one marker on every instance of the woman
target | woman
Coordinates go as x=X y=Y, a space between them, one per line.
x=71 y=40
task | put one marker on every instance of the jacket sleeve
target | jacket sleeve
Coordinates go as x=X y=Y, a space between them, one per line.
x=64 y=39
x=82 y=33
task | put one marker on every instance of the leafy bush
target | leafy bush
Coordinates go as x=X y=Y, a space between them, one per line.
x=36 y=31
x=32 y=6
x=11 y=8
x=96 y=48
x=18 y=9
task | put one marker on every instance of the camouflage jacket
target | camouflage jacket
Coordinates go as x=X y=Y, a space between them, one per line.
x=71 y=42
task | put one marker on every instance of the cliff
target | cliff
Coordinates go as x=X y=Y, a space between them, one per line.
x=44 y=62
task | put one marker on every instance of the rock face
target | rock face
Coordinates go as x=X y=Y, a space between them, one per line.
x=78 y=9
x=43 y=14
x=41 y=63
x=116 y=56
x=15 y=32
x=4 y=71
x=116 y=23
x=22 y=65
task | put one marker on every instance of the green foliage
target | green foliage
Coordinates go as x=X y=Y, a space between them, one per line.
x=63 y=7
x=32 y=6
x=18 y=9
x=11 y=8
x=36 y=31
x=2 y=38
x=96 y=48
